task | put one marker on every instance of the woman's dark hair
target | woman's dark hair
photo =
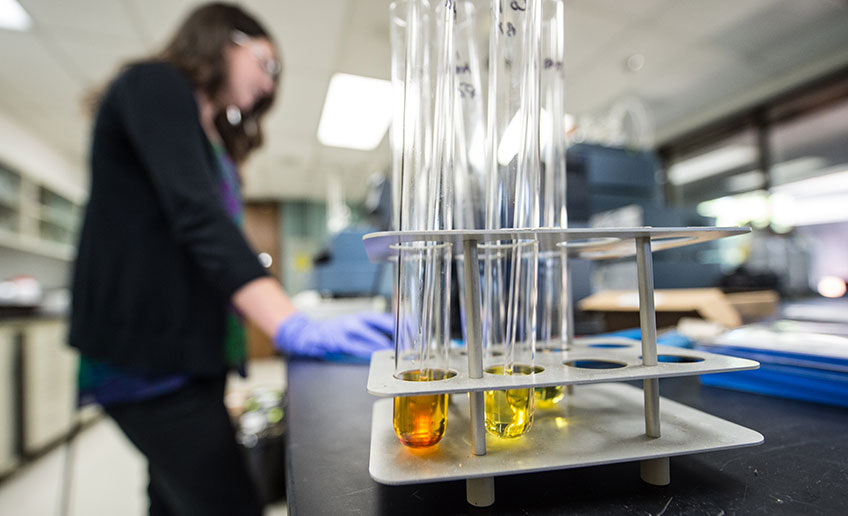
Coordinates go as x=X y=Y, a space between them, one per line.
x=197 y=49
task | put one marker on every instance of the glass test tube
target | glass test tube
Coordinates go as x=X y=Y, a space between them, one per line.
x=553 y=307
x=469 y=208
x=423 y=76
x=511 y=270
x=510 y=267
x=421 y=340
x=470 y=122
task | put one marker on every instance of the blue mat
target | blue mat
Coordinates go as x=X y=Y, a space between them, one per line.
x=818 y=379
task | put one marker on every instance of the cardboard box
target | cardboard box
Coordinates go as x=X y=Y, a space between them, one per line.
x=755 y=305
x=620 y=308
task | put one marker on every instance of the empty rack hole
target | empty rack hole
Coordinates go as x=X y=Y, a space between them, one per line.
x=553 y=350
x=595 y=364
x=678 y=359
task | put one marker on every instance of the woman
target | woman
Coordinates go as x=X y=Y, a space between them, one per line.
x=163 y=267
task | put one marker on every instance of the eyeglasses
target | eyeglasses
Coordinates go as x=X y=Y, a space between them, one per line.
x=271 y=66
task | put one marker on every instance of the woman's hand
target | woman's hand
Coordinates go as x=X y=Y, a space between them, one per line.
x=352 y=336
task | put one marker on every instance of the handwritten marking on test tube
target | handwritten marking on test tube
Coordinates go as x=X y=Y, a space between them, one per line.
x=549 y=63
x=449 y=4
x=467 y=89
x=510 y=29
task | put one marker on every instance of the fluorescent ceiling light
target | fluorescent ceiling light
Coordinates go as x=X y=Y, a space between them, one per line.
x=734 y=210
x=791 y=212
x=829 y=183
x=711 y=163
x=13 y=16
x=357 y=112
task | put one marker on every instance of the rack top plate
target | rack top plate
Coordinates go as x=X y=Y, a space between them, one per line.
x=585 y=243
x=599 y=424
x=585 y=356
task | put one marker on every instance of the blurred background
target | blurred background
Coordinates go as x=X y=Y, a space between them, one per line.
x=680 y=112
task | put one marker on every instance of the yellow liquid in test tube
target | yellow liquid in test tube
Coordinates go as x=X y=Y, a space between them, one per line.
x=547 y=397
x=509 y=413
x=420 y=421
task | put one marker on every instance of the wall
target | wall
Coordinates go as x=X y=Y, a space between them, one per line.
x=50 y=272
x=304 y=234
x=32 y=157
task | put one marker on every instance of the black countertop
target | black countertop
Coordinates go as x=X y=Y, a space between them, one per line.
x=802 y=468
x=17 y=315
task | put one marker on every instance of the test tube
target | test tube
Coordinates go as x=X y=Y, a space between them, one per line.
x=469 y=208
x=411 y=129
x=470 y=124
x=510 y=275
x=511 y=269
x=421 y=340
x=553 y=304
x=423 y=76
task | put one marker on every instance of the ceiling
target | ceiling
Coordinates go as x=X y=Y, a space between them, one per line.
x=703 y=59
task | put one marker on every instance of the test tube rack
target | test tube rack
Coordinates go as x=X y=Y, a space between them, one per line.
x=603 y=423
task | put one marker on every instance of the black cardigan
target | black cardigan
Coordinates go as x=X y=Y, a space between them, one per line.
x=159 y=257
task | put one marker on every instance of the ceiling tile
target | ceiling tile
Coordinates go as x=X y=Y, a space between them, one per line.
x=39 y=78
x=156 y=20
x=309 y=34
x=630 y=11
x=90 y=16
x=99 y=57
x=699 y=19
x=299 y=104
x=587 y=34
x=367 y=50
x=787 y=34
x=66 y=132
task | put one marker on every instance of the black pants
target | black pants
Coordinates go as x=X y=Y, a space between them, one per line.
x=194 y=462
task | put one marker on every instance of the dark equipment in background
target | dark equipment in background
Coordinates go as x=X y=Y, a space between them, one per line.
x=606 y=181
x=343 y=268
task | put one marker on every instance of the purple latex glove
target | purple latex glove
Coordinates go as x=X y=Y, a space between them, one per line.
x=353 y=335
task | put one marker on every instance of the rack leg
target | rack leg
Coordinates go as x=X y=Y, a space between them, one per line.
x=568 y=318
x=569 y=313
x=474 y=334
x=473 y=309
x=480 y=492
x=648 y=324
x=655 y=471
x=478 y=427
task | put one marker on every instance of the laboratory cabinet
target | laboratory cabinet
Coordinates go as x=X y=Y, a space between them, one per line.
x=38 y=391
x=9 y=456
x=35 y=218
x=48 y=384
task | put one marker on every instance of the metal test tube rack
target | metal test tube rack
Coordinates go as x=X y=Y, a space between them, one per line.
x=391 y=467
